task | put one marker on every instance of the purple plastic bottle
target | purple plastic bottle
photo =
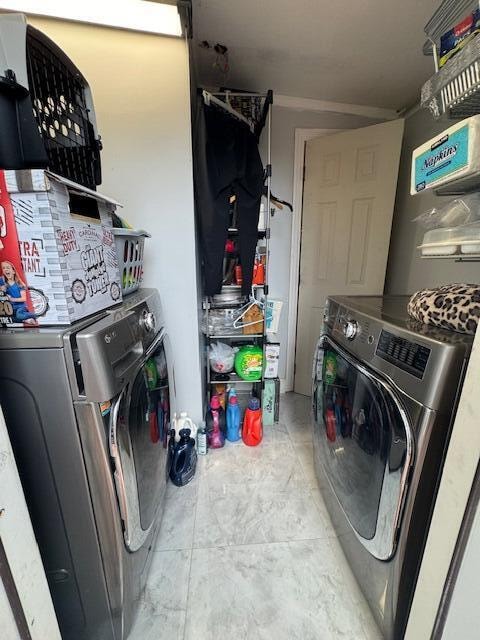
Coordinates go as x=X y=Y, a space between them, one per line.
x=215 y=424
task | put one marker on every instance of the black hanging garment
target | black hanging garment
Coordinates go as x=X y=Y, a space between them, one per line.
x=227 y=162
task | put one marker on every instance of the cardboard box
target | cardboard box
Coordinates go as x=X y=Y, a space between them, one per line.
x=272 y=356
x=58 y=261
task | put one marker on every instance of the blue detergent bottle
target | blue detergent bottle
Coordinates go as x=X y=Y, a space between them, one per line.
x=233 y=417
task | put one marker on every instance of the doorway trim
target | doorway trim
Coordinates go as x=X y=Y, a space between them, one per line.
x=301 y=137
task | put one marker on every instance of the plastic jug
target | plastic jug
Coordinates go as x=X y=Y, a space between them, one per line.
x=182 y=421
x=233 y=417
x=215 y=424
x=252 y=430
x=184 y=460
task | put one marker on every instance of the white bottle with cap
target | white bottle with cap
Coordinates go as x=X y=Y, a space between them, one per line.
x=182 y=421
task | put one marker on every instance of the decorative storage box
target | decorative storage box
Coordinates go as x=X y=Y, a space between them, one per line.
x=58 y=261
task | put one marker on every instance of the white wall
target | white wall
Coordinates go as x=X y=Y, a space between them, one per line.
x=463 y=618
x=457 y=478
x=407 y=272
x=140 y=86
x=284 y=123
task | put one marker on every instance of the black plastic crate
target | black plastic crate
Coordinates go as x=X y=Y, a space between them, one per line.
x=47 y=119
x=60 y=107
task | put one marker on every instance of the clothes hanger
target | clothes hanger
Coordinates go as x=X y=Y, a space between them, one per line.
x=252 y=302
x=208 y=98
x=277 y=201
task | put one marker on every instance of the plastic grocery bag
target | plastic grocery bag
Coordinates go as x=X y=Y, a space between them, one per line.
x=222 y=357
x=272 y=315
x=454 y=213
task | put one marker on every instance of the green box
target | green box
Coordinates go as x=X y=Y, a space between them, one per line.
x=270 y=401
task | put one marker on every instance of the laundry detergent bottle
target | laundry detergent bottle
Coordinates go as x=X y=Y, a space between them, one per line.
x=215 y=424
x=252 y=430
x=184 y=459
x=233 y=417
x=183 y=421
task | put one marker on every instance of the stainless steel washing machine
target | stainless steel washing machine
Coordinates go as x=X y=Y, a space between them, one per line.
x=88 y=412
x=385 y=390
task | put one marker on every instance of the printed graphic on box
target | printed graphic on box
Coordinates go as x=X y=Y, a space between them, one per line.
x=446 y=156
x=16 y=300
x=63 y=264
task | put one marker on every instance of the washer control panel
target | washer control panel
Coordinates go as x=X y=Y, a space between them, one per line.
x=350 y=329
x=409 y=356
x=148 y=321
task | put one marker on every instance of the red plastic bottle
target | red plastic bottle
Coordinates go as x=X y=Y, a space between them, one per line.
x=258 y=272
x=238 y=274
x=252 y=430
x=330 y=423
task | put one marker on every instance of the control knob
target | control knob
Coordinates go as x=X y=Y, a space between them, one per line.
x=350 y=329
x=147 y=321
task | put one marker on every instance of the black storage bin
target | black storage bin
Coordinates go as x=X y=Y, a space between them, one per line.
x=50 y=123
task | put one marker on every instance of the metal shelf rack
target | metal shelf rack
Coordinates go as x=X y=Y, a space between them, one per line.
x=472 y=257
x=255 y=107
x=454 y=89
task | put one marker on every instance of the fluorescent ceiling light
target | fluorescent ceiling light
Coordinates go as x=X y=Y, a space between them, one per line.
x=137 y=15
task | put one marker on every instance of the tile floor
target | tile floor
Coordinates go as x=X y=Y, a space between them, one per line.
x=247 y=550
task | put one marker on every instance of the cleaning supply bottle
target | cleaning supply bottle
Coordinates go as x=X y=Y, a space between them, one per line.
x=150 y=369
x=184 y=460
x=201 y=439
x=182 y=421
x=220 y=390
x=252 y=431
x=330 y=422
x=233 y=417
x=215 y=424
x=258 y=271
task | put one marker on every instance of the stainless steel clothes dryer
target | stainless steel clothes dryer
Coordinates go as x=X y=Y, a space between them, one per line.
x=384 y=392
x=88 y=411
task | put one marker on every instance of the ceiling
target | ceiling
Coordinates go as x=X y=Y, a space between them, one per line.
x=366 y=52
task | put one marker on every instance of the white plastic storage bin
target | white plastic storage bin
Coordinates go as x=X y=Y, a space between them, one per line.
x=449 y=241
x=440 y=242
x=470 y=238
x=129 y=244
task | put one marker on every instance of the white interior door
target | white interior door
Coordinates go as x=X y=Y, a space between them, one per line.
x=348 y=199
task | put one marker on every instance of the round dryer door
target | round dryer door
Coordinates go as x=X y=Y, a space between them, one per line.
x=364 y=442
x=139 y=428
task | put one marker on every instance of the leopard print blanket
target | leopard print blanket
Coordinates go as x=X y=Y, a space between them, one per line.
x=453 y=306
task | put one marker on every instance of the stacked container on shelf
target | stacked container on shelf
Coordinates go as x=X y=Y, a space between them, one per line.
x=449 y=163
